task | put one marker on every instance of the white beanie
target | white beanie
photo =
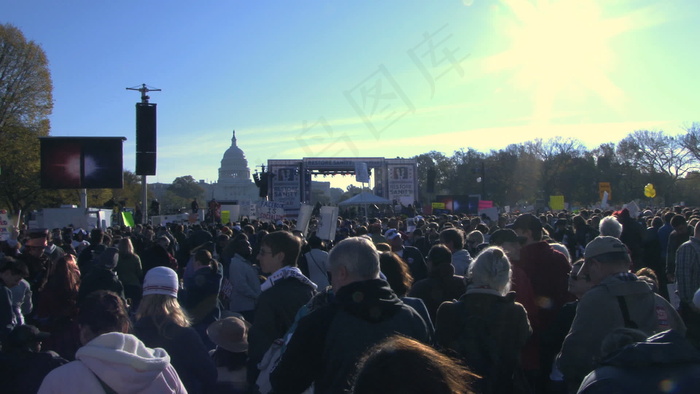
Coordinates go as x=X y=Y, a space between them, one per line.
x=160 y=280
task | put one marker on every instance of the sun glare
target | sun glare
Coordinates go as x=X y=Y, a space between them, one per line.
x=560 y=50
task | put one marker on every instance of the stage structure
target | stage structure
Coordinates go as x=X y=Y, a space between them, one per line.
x=290 y=181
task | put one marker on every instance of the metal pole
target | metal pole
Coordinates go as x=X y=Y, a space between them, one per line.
x=144 y=198
x=83 y=198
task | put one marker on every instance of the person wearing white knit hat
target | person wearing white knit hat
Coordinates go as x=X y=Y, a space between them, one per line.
x=161 y=322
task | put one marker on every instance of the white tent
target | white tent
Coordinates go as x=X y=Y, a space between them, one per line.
x=365 y=198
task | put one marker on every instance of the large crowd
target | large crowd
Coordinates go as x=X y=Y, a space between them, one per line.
x=589 y=302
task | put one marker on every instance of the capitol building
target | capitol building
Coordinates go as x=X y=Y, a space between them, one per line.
x=235 y=183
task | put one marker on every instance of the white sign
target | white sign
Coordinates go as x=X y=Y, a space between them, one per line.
x=270 y=211
x=304 y=218
x=327 y=223
x=5 y=225
x=402 y=183
x=361 y=173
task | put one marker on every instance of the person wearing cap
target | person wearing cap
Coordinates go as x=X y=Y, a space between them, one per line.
x=409 y=254
x=22 y=363
x=37 y=261
x=230 y=335
x=79 y=242
x=162 y=323
x=617 y=299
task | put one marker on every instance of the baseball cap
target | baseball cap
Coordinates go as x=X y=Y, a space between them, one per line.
x=26 y=334
x=391 y=234
x=603 y=245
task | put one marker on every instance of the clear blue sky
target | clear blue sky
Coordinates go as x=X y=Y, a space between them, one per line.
x=364 y=78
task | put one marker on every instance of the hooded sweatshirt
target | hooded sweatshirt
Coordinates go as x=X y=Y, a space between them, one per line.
x=329 y=342
x=122 y=362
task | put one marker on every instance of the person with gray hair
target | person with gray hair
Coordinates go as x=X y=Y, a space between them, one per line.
x=610 y=226
x=486 y=327
x=330 y=340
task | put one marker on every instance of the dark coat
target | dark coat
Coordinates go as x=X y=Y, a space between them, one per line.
x=330 y=340
x=441 y=285
x=416 y=262
x=7 y=315
x=23 y=371
x=277 y=307
x=188 y=355
x=488 y=331
x=200 y=295
x=664 y=360
x=100 y=278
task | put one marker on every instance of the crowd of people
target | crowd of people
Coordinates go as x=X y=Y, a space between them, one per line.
x=590 y=302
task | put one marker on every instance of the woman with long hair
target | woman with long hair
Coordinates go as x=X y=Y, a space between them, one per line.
x=398 y=275
x=57 y=307
x=129 y=271
x=161 y=322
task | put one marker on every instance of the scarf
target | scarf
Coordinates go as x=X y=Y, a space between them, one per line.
x=284 y=273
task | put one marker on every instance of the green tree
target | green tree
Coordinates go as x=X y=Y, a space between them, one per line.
x=25 y=81
x=186 y=187
x=657 y=155
x=25 y=104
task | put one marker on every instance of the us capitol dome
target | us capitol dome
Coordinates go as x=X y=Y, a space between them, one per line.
x=234 y=182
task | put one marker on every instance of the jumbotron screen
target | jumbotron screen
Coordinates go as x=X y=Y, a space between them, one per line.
x=82 y=162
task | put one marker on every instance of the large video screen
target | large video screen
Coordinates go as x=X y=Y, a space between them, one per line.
x=460 y=204
x=82 y=162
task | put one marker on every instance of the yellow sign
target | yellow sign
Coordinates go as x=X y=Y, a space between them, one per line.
x=556 y=203
x=438 y=205
x=604 y=187
x=225 y=216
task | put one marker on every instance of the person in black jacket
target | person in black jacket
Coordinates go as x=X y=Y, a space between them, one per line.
x=102 y=275
x=23 y=365
x=410 y=254
x=283 y=293
x=329 y=341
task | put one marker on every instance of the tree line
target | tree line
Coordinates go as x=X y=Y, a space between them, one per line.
x=537 y=169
